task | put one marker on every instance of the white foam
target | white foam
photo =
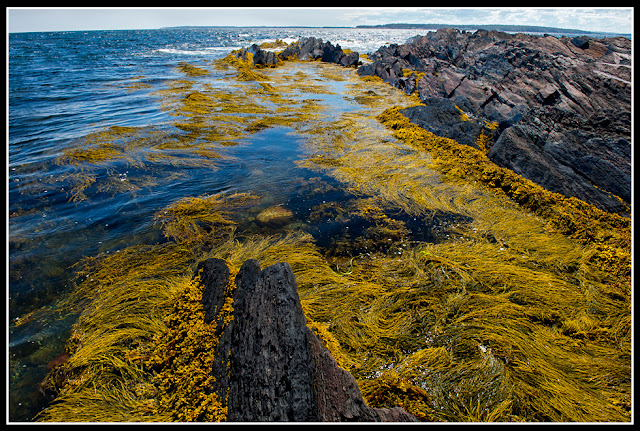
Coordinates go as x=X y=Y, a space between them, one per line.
x=203 y=51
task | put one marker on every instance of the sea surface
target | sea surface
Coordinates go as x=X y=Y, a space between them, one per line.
x=67 y=86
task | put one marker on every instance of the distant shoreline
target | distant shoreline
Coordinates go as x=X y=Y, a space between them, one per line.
x=499 y=27
x=406 y=26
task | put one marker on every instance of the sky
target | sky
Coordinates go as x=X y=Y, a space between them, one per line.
x=615 y=20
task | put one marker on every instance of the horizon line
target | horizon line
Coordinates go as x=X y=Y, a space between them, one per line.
x=409 y=26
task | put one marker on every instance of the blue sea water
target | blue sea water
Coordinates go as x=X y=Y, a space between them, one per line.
x=64 y=86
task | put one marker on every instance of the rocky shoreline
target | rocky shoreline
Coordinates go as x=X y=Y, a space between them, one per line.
x=561 y=107
x=556 y=111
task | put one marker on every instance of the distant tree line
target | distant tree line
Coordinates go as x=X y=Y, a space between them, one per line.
x=499 y=27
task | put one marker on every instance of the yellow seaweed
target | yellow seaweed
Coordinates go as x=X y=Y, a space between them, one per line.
x=519 y=311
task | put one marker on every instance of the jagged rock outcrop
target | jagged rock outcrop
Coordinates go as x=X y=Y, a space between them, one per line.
x=563 y=105
x=269 y=365
x=265 y=58
x=311 y=48
x=261 y=57
x=308 y=48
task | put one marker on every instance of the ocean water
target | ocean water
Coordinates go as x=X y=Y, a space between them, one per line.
x=65 y=87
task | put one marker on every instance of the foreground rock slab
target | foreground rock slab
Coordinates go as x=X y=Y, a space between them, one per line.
x=269 y=365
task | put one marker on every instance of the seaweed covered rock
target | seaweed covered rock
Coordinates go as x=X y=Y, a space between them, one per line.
x=444 y=118
x=571 y=95
x=269 y=365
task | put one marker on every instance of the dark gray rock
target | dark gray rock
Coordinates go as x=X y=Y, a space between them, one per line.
x=269 y=369
x=350 y=60
x=408 y=84
x=337 y=394
x=311 y=48
x=245 y=281
x=214 y=275
x=265 y=58
x=307 y=48
x=443 y=118
x=390 y=69
x=332 y=54
x=568 y=154
x=269 y=366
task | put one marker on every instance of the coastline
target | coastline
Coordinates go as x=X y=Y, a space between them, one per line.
x=378 y=390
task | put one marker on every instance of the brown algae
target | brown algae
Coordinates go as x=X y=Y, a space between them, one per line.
x=518 y=312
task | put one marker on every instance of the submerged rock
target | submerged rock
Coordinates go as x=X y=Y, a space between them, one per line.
x=562 y=105
x=275 y=216
x=269 y=365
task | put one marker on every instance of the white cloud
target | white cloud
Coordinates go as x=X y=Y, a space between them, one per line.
x=593 y=19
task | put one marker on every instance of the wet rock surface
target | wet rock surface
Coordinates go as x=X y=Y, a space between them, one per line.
x=311 y=48
x=562 y=105
x=269 y=366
